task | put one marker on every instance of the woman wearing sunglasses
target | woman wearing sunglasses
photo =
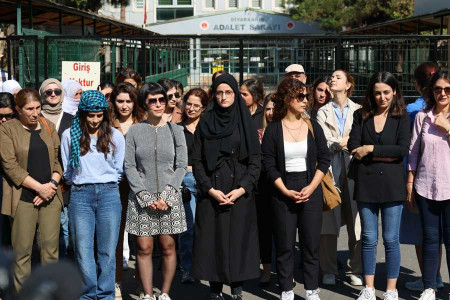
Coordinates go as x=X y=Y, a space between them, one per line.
x=336 y=119
x=296 y=158
x=130 y=76
x=155 y=164
x=429 y=173
x=172 y=112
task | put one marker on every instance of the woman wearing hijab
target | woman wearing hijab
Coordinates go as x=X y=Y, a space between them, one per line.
x=226 y=160
x=73 y=91
x=11 y=86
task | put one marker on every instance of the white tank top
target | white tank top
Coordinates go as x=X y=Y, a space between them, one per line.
x=295 y=155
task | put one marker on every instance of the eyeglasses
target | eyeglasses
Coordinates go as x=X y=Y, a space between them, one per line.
x=57 y=92
x=195 y=106
x=6 y=116
x=170 y=96
x=226 y=93
x=438 y=90
x=302 y=97
x=128 y=73
x=152 y=101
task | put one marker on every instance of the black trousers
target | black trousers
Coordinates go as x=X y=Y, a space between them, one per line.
x=289 y=216
x=265 y=216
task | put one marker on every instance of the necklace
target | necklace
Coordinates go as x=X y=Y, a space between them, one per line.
x=289 y=130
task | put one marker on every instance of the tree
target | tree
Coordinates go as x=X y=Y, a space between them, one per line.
x=338 y=14
x=95 y=5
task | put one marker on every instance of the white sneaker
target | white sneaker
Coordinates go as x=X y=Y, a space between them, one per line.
x=391 y=295
x=164 y=296
x=118 y=291
x=367 y=294
x=329 y=279
x=288 y=295
x=147 y=297
x=428 y=294
x=356 y=280
x=312 y=294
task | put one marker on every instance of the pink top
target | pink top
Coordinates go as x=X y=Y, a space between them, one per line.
x=432 y=179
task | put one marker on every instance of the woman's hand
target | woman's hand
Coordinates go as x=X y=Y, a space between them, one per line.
x=442 y=123
x=235 y=194
x=219 y=196
x=294 y=195
x=410 y=196
x=305 y=193
x=46 y=191
x=344 y=142
x=161 y=204
x=360 y=152
x=38 y=201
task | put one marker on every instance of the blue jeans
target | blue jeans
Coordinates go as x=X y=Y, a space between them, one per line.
x=435 y=217
x=186 y=239
x=95 y=208
x=390 y=220
x=64 y=233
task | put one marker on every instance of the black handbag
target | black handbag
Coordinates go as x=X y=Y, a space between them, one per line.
x=352 y=168
x=185 y=192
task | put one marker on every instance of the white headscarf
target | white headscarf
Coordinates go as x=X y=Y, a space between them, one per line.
x=10 y=86
x=71 y=87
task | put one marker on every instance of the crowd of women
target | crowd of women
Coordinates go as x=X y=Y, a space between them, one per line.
x=219 y=176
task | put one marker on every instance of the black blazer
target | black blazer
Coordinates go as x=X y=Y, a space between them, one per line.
x=273 y=152
x=376 y=181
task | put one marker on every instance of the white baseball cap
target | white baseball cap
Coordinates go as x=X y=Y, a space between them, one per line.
x=295 y=68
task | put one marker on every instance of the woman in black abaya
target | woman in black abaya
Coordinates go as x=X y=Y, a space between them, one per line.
x=227 y=162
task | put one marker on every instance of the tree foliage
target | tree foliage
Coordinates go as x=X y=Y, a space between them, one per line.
x=92 y=5
x=339 y=14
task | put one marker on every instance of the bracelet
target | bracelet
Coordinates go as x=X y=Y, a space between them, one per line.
x=54 y=182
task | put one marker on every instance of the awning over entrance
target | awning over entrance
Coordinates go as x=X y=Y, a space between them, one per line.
x=241 y=21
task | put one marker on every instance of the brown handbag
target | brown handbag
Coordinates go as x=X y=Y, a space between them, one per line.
x=331 y=196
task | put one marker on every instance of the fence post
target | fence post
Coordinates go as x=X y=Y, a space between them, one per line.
x=241 y=61
x=113 y=61
x=144 y=48
x=135 y=57
x=338 y=55
x=36 y=63
x=8 y=46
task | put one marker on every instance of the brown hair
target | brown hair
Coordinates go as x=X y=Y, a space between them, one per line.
x=26 y=96
x=350 y=80
x=256 y=89
x=104 y=134
x=286 y=92
x=429 y=98
x=197 y=92
x=129 y=73
x=312 y=91
x=423 y=74
x=370 y=107
x=264 y=122
x=138 y=113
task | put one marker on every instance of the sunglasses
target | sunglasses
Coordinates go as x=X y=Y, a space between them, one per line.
x=128 y=73
x=301 y=97
x=6 y=116
x=170 y=96
x=152 y=101
x=438 y=90
x=57 y=92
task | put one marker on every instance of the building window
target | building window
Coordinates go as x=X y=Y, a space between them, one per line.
x=184 y=2
x=165 y=14
x=279 y=3
x=210 y=4
x=140 y=4
x=256 y=3
x=165 y=2
x=233 y=4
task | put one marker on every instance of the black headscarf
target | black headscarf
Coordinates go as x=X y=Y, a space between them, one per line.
x=218 y=124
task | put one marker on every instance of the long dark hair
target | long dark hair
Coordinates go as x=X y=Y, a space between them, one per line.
x=256 y=89
x=429 y=99
x=370 y=106
x=312 y=92
x=137 y=113
x=287 y=91
x=104 y=135
x=129 y=73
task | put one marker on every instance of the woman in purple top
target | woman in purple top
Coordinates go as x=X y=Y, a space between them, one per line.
x=429 y=170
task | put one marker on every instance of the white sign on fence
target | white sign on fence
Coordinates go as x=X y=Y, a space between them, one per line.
x=85 y=72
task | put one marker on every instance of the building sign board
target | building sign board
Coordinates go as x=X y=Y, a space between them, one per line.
x=86 y=73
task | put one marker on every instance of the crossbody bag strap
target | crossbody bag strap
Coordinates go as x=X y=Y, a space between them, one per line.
x=44 y=122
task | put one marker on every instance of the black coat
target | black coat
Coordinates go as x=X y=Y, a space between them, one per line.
x=273 y=153
x=66 y=122
x=376 y=181
x=226 y=237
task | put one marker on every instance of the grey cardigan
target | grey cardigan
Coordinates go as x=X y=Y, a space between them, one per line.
x=150 y=158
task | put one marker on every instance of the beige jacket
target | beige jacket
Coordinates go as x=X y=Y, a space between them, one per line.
x=326 y=117
x=14 y=148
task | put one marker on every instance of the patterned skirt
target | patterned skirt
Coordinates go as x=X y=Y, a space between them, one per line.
x=147 y=222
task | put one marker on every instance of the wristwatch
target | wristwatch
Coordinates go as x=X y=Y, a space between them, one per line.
x=54 y=182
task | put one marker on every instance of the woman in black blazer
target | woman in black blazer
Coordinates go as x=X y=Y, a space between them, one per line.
x=295 y=162
x=378 y=141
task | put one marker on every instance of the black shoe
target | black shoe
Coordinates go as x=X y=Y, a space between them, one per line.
x=264 y=284
x=236 y=297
